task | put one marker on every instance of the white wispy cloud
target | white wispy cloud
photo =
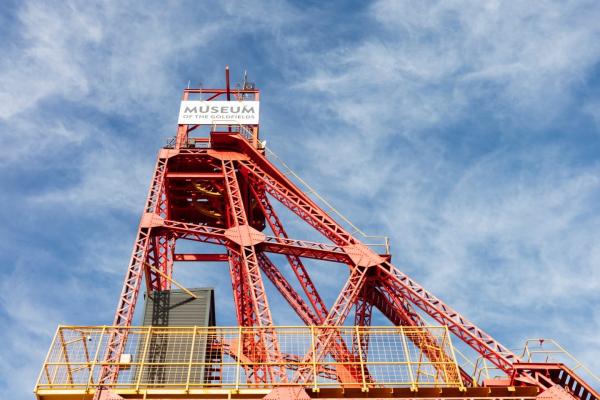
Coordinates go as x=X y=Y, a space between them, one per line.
x=88 y=90
x=498 y=222
x=510 y=221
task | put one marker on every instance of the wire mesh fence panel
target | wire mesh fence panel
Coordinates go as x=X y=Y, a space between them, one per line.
x=236 y=358
x=338 y=362
x=388 y=359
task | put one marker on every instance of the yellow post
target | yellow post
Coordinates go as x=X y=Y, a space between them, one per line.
x=413 y=387
x=314 y=359
x=143 y=359
x=238 y=365
x=485 y=368
x=420 y=362
x=95 y=360
x=187 y=381
x=85 y=350
x=460 y=381
x=446 y=377
x=362 y=363
x=66 y=356
x=45 y=368
x=526 y=352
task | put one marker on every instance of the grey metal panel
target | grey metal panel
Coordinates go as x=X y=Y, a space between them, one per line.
x=174 y=308
x=177 y=308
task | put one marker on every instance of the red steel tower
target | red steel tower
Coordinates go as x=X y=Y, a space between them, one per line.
x=215 y=184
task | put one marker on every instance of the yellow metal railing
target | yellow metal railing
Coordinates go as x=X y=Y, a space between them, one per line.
x=191 y=358
x=546 y=351
x=550 y=351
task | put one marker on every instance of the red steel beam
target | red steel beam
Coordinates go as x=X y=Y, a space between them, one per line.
x=302 y=248
x=465 y=330
x=244 y=310
x=300 y=206
x=133 y=278
x=295 y=262
x=286 y=192
x=201 y=257
x=195 y=175
x=295 y=301
x=256 y=288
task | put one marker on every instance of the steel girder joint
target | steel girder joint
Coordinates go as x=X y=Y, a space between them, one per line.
x=362 y=255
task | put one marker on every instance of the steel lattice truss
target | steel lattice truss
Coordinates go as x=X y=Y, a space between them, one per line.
x=219 y=190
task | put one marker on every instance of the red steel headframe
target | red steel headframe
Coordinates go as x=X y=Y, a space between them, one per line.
x=218 y=190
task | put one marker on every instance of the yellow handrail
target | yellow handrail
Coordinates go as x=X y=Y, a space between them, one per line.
x=182 y=358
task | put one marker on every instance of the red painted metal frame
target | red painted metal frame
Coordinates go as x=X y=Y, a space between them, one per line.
x=244 y=179
x=251 y=272
x=133 y=278
x=346 y=373
x=284 y=287
x=295 y=262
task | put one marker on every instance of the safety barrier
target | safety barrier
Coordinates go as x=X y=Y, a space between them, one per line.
x=188 y=358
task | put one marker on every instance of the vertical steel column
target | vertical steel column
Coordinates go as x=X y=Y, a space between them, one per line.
x=132 y=282
x=256 y=288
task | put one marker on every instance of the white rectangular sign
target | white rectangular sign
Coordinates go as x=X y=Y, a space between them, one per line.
x=218 y=112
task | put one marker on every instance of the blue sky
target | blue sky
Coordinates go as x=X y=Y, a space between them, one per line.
x=469 y=132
